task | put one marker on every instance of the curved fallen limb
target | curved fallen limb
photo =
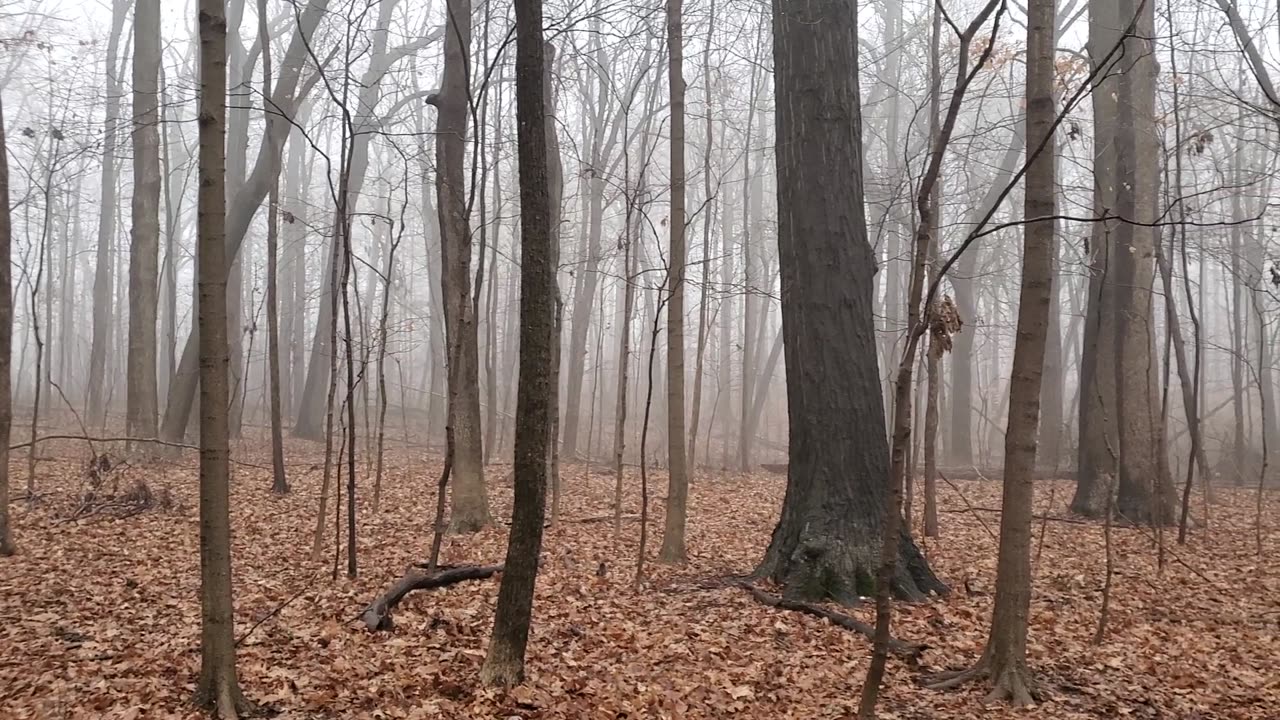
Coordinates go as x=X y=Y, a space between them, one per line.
x=377 y=616
x=911 y=651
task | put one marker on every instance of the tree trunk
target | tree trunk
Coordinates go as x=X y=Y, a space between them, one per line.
x=7 y=546
x=673 y=550
x=1145 y=489
x=1006 y=653
x=279 y=482
x=708 y=216
x=504 y=663
x=102 y=278
x=144 y=249
x=828 y=539
x=218 y=689
x=470 y=500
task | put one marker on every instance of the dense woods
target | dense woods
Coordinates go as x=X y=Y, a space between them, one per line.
x=690 y=358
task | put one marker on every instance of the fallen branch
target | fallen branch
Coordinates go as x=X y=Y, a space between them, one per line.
x=911 y=651
x=377 y=616
x=91 y=440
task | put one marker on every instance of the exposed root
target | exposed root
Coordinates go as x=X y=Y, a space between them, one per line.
x=911 y=651
x=1012 y=683
x=223 y=699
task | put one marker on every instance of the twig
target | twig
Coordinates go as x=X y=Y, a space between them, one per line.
x=88 y=439
x=277 y=610
x=968 y=505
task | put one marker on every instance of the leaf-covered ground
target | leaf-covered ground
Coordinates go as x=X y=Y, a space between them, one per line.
x=99 y=616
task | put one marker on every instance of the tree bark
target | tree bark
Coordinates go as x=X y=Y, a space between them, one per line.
x=828 y=539
x=673 y=550
x=144 y=250
x=218 y=689
x=504 y=663
x=470 y=500
x=7 y=546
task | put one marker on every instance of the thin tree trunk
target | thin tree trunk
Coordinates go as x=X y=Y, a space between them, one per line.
x=102 y=279
x=279 y=482
x=504 y=662
x=218 y=689
x=673 y=549
x=7 y=545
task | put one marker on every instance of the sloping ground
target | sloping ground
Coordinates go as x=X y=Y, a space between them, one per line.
x=100 y=616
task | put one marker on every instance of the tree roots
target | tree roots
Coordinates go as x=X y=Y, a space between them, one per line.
x=1012 y=683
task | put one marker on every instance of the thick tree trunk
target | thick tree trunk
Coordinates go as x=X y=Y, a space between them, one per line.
x=144 y=249
x=827 y=542
x=218 y=689
x=470 y=500
x=504 y=663
x=1145 y=489
x=673 y=550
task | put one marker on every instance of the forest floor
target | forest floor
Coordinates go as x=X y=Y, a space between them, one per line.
x=100 y=617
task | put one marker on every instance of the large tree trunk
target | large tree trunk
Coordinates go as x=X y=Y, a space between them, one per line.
x=1099 y=441
x=470 y=500
x=673 y=549
x=1145 y=489
x=6 y=341
x=504 y=663
x=218 y=689
x=828 y=540
x=102 y=278
x=144 y=250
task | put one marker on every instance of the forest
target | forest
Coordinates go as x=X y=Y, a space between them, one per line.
x=900 y=359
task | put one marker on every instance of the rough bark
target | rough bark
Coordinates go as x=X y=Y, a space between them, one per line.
x=827 y=541
x=218 y=689
x=504 y=663
x=673 y=550
x=144 y=249
x=470 y=500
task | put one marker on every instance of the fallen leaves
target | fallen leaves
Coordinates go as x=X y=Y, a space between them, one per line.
x=100 y=618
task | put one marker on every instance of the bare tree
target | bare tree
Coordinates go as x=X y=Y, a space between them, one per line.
x=219 y=688
x=504 y=663
x=470 y=500
x=1004 y=662
x=7 y=546
x=673 y=550
x=102 y=279
x=279 y=481
x=144 y=250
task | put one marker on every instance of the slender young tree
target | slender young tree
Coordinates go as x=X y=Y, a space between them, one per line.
x=144 y=250
x=279 y=481
x=504 y=663
x=673 y=550
x=6 y=342
x=1004 y=662
x=219 y=688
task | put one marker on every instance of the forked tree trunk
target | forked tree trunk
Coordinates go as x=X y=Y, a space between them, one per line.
x=218 y=689
x=827 y=542
x=470 y=500
x=673 y=550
